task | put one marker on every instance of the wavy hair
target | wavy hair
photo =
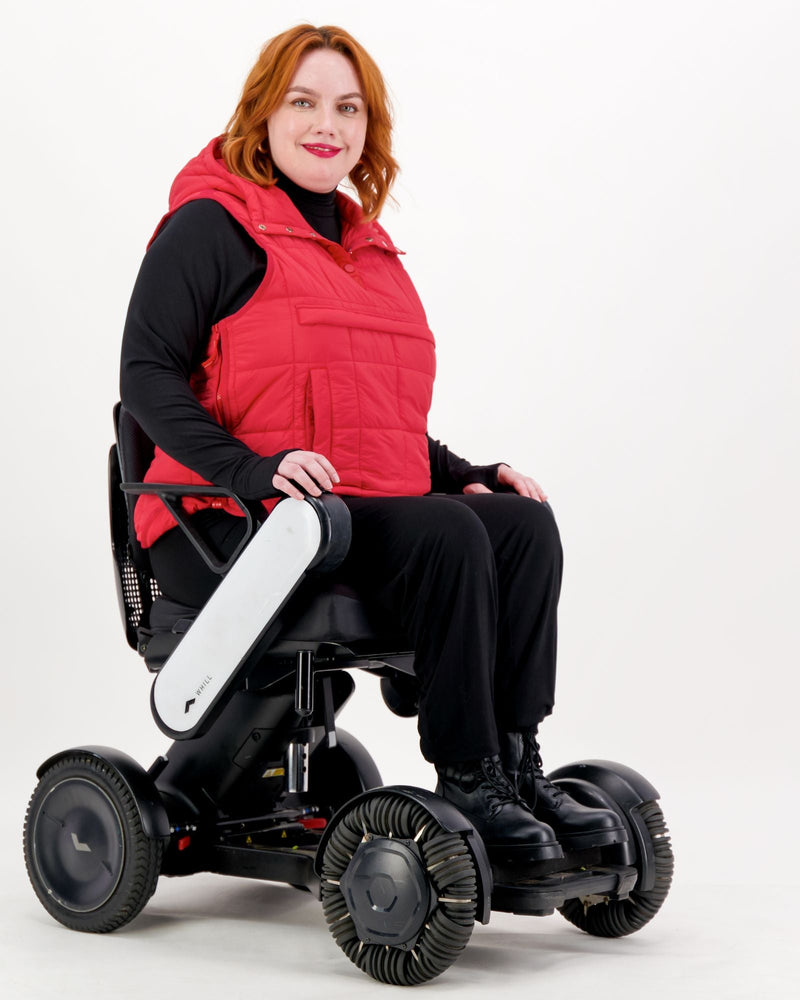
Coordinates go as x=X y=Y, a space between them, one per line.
x=245 y=144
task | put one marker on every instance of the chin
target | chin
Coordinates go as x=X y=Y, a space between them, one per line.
x=311 y=180
x=321 y=186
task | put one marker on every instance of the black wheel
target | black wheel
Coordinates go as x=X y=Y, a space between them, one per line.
x=399 y=892
x=88 y=858
x=616 y=918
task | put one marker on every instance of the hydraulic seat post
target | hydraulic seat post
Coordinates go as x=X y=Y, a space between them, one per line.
x=297 y=750
x=329 y=712
x=304 y=682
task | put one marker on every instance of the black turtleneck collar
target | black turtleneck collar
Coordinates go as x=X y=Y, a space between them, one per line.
x=318 y=209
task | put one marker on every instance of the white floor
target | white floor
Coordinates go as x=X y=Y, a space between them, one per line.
x=208 y=936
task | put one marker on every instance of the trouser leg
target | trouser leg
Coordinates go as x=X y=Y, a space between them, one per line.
x=528 y=559
x=429 y=561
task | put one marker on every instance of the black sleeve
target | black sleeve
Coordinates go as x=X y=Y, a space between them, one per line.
x=201 y=267
x=450 y=473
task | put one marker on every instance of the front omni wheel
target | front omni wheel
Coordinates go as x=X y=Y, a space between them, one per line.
x=399 y=892
x=90 y=862
x=616 y=918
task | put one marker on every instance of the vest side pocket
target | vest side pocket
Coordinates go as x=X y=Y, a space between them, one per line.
x=320 y=412
x=206 y=380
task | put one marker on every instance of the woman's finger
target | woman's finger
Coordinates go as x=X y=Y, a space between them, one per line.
x=320 y=473
x=519 y=483
x=328 y=467
x=531 y=489
x=315 y=465
x=524 y=485
x=293 y=469
x=302 y=478
x=534 y=491
x=540 y=493
x=282 y=483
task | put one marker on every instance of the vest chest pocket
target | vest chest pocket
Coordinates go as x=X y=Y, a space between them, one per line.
x=319 y=412
x=378 y=321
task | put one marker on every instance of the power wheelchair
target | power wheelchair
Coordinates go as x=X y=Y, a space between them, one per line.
x=260 y=782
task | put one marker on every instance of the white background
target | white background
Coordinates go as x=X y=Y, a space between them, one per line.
x=599 y=204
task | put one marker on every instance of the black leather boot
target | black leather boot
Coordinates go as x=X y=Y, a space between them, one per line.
x=510 y=831
x=576 y=825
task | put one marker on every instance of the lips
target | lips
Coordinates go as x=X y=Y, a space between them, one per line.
x=320 y=149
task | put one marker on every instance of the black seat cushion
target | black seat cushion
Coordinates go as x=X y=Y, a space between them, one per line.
x=321 y=611
x=337 y=613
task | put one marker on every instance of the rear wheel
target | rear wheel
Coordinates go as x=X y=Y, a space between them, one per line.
x=399 y=891
x=90 y=862
x=616 y=918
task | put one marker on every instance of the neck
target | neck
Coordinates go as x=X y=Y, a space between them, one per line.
x=317 y=208
x=319 y=199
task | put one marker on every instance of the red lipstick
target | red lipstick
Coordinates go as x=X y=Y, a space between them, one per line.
x=320 y=149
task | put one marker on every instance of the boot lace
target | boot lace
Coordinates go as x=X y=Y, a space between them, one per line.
x=499 y=789
x=532 y=761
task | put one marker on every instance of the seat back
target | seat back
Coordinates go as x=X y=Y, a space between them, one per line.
x=128 y=460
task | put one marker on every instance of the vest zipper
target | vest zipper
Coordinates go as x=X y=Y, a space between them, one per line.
x=308 y=403
x=217 y=358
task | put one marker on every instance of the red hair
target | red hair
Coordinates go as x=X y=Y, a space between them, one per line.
x=245 y=145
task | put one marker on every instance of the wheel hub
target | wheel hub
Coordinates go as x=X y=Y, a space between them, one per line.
x=387 y=891
x=79 y=850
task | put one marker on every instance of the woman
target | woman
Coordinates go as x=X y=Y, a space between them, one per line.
x=274 y=342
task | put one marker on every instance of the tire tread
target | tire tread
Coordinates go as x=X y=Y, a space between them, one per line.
x=143 y=859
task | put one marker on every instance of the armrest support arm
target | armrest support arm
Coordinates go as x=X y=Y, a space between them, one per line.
x=170 y=493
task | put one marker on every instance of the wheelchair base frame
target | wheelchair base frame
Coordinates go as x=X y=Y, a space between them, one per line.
x=531 y=894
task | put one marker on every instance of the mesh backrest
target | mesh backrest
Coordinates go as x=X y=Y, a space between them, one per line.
x=135 y=452
x=127 y=462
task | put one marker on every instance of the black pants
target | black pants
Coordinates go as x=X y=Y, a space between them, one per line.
x=474 y=581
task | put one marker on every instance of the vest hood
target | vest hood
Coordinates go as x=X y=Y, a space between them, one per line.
x=267 y=210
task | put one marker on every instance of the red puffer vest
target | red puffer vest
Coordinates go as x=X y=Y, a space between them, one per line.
x=331 y=354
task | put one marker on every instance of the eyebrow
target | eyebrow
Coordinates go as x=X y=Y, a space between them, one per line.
x=313 y=93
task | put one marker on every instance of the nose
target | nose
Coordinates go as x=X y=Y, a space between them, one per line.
x=324 y=123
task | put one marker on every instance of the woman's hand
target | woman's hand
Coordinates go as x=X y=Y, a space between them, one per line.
x=507 y=476
x=308 y=469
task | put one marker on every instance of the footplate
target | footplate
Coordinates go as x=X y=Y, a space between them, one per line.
x=540 y=896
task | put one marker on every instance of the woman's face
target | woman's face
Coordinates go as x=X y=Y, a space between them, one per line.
x=317 y=133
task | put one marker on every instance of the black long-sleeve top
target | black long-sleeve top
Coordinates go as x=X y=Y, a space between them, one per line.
x=201 y=267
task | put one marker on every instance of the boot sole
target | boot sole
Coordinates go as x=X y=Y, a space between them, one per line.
x=524 y=853
x=593 y=838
